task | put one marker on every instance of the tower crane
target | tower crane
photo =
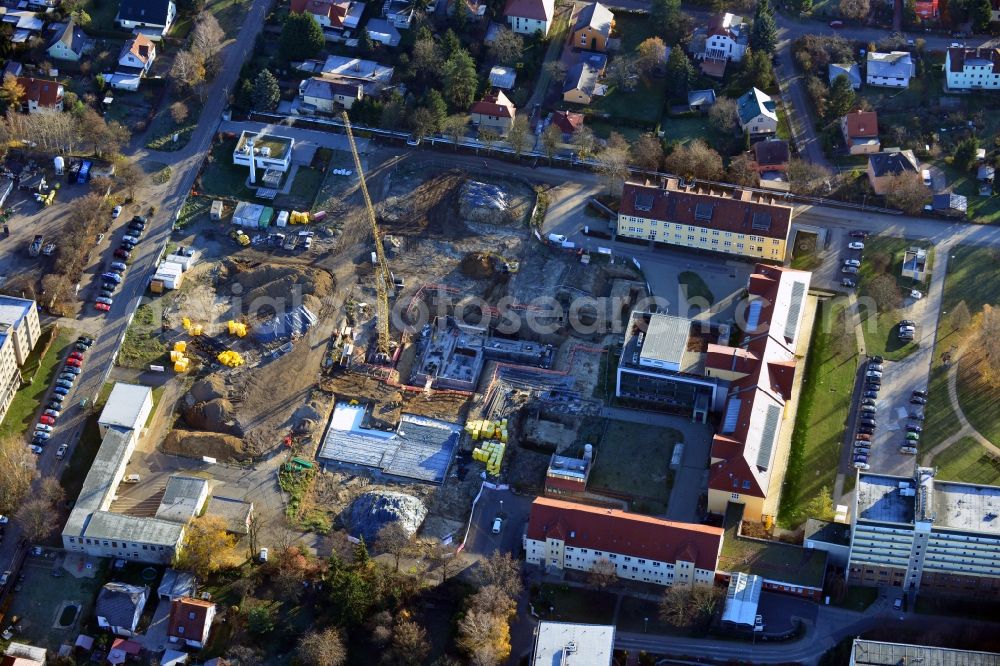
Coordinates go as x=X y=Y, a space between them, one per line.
x=383 y=278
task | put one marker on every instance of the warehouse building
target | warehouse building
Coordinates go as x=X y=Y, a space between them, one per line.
x=923 y=534
x=878 y=653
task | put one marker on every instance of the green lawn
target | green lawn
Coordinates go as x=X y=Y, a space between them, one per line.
x=43 y=369
x=221 y=177
x=880 y=326
x=859 y=598
x=982 y=210
x=643 y=105
x=771 y=559
x=142 y=344
x=160 y=135
x=695 y=286
x=230 y=14
x=304 y=189
x=633 y=29
x=784 y=130
x=822 y=413
x=83 y=454
x=102 y=16
x=571 y=604
x=634 y=460
x=804 y=256
x=967 y=461
x=941 y=422
x=603 y=129
x=684 y=129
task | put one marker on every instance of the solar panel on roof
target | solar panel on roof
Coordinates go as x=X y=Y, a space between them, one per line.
x=769 y=436
x=794 y=308
x=761 y=221
x=753 y=315
x=703 y=211
x=732 y=413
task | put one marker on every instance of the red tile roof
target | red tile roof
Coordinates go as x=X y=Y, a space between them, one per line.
x=42 y=91
x=180 y=616
x=141 y=47
x=730 y=359
x=957 y=58
x=335 y=11
x=734 y=212
x=529 y=9
x=862 y=125
x=615 y=531
x=494 y=104
x=567 y=121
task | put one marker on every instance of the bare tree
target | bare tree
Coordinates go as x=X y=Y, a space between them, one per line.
x=584 y=141
x=494 y=601
x=884 y=291
x=612 y=166
x=394 y=540
x=130 y=175
x=695 y=159
x=723 y=116
x=322 y=648
x=207 y=39
x=741 y=171
x=647 y=152
x=551 y=138
x=410 y=645
x=484 y=637
x=808 y=178
x=17 y=470
x=489 y=137
x=188 y=70
x=37 y=518
x=603 y=574
x=622 y=72
x=444 y=558
x=52 y=492
x=652 y=54
x=855 y=9
x=179 y=112
x=503 y=571
x=676 y=606
x=989 y=333
x=518 y=134
x=555 y=69
x=907 y=192
x=507 y=47
x=454 y=128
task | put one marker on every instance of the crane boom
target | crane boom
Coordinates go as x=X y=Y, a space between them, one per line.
x=383 y=278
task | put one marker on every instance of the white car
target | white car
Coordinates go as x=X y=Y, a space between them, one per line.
x=4 y=519
x=262 y=557
x=856 y=245
x=916 y=294
x=116 y=212
x=852 y=262
x=497 y=525
x=862 y=465
x=926 y=176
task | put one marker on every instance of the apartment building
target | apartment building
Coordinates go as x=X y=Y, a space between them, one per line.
x=923 y=534
x=972 y=69
x=566 y=535
x=731 y=221
x=19 y=333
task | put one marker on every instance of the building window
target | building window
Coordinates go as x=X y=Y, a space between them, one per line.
x=735 y=496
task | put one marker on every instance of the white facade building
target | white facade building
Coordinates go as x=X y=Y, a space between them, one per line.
x=889 y=70
x=972 y=69
x=566 y=535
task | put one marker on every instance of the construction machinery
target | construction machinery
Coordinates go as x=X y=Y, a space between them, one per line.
x=383 y=277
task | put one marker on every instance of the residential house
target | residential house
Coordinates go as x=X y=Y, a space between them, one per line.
x=701 y=100
x=568 y=123
x=22 y=654
x=13 y=68
x=757 y=113
x=734 y=221
x=40 y=94
x=119 y=606
x=581 y=84
x=329 y=95
x=494 y=111
x=269 y=151
x=723 y=40
x=850 y=70
x=67 y=43
x=382 y=31
x=24 y=23
x=526 y=17
x=860 y=130
x=566 y=535
x=134 y=61
x=950 y=204
x=985 y=174
x=889 y=70
x=972 y=69
x=399 y=13
x=123 y=650
x=152 y=17
x=592 y=27
x=331 y=14
x=190 y=621
x=502 y=77
x=771 y=155
x=370 y=74
x=883 y=166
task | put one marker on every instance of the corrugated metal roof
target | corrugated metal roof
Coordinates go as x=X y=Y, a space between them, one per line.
x=666 y=338
x=876 y=653
x=125 y=405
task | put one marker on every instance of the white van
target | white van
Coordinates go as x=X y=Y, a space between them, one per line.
x=557 y=238
x=132 y=478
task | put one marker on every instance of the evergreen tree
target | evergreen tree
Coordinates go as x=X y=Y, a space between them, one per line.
x=434 y=102
x=764 y=33
x=663 y=13
x=361 y=557
x=266 y=93
x=301 y=37
x=842 y=97
x=680 y=73
x=980 y=13
x=460 y=79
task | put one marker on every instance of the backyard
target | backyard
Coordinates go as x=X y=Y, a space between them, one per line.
x=633 y=460
x=883 y=255
x=641 y=106
x=684 y=129
x=220 y=177
x=771 y=559
x=823 y=407
x=38 y=372
x=565 y=603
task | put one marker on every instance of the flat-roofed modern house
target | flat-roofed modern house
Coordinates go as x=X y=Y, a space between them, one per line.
x=569 y=643
x=567 y=535
x=731 y=221
x=921 y=534
x=270 y=151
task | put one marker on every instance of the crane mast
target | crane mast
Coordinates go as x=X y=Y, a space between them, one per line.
x=383 y=278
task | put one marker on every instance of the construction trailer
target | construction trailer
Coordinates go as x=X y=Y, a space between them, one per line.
x=169 y=275
x=217 y=210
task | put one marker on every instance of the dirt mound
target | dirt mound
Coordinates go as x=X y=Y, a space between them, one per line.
x=370 y=512
x=199 y=444
x=477 y=265
x=214 y=416
x=209 y=388
x=263 y=284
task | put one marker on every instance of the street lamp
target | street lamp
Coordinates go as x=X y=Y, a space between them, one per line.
x=501 y=507
x=645 y=624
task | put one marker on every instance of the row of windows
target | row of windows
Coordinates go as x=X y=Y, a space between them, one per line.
x=114 y=544
x=689 y=227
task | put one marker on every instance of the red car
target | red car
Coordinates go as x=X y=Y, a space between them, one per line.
x=47 y=420
x=76 y=354
x=103 y=307
x=75 y=362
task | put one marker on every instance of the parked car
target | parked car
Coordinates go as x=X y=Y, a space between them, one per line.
x=66 y=377
x=79 y=346
x=44 y=436
x=913 y=436
x=103 y=307
x=867 y=421
x=71 y=370
x=54 y=404
x=106 y=293
x=121 y=253
x=130 y=239
x=908 y=449
x=127 y=245
x=859 y=234
x=112 y=277
x=116 y=212
x=873 y=385
x=925 y=175
x=863 y=437
x=850 y=284
x=916 y=295
x=38 y=441
x=43 y=427
x=46 y=420
x=877 y=367
x=868 y=409
x=917 y=415
x=54 y=413
x=908 y=323
x=59 y=390
x=850 y=270
x=876 y=359
x=109 y=286
x=862 y=466
x=852 y=262
x=75 y=362
x=870 y=394
x=84 y=340
x=76 y=354
x=873 y=374
x=119 y=266
x=918 y=400
x=104 y=299
x=866 y=430
x=37 y=450
x=64 y=383
x=61 y=452
x=868 y=401
x=856 y=245
x=913 y=427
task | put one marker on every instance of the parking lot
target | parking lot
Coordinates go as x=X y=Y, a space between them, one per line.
x=513 y=510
